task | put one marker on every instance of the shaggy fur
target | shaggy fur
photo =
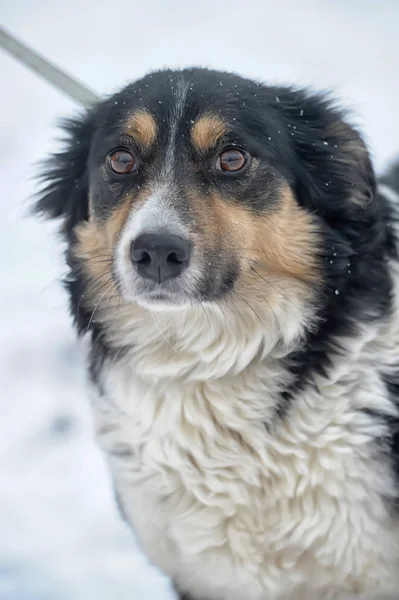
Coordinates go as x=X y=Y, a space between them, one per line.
x=249 y=406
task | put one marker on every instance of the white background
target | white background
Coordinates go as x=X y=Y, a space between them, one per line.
x=60 y=535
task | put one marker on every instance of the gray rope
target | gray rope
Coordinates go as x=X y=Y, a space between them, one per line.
x=52 y=74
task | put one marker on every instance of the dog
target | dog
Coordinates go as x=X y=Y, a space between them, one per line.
x=234 y=263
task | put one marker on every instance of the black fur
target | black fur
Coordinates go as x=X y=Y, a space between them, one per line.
x=358 y=286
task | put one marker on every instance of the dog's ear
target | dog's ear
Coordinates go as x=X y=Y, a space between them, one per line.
x=334 y=179
x=64 y=176
x=333 y=172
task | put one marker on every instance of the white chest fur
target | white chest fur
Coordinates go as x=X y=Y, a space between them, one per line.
x=233 y=509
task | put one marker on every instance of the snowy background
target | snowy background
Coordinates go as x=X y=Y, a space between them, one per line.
x=60 y=534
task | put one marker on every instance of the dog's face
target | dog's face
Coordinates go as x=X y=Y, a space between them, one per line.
x=188 y=196
x=197 y=187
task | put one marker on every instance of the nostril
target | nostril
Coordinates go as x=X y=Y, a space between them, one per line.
x=174 y=259
x=139 y=255
x=143 y=258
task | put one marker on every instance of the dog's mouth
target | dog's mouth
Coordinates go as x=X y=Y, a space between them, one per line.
x=197 y=285
x=178 y=277
x=162 y=300
x=153 y=295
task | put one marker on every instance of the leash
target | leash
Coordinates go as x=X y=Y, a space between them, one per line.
x=46 y=70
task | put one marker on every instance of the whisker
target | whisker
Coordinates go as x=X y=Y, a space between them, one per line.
x=98 y=303
x=161 y=333
x=234 y=307
x=263 y=296
x=209 y=322
x=274 y=284
x=59 y=278
x=252 y=309
x=99 y=260
x=182 y=330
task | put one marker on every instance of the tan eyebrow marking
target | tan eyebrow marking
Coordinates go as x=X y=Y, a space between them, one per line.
x=142 y=126
x=207 y=131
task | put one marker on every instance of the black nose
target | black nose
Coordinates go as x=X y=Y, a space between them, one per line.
x=160 y=256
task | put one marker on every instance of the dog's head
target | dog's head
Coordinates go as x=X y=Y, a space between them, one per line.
x=198 y=187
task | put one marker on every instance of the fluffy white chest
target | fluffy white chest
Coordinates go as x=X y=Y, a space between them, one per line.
x=236 y=510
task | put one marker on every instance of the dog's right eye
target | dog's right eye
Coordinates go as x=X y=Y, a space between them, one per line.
x=121 y=161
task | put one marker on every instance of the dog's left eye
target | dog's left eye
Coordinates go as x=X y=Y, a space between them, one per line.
x=231 y=160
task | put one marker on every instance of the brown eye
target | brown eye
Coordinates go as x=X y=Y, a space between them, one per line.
x=121 y=162
x=231 y=160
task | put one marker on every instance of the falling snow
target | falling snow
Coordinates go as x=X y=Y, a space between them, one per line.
x=61 y=536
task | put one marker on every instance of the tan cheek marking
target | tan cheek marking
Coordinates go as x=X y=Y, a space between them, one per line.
x=286 y=241
x=207 y=131
x=142 y=126
x=282 y=242
x=236 y=223
x=95 y=246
